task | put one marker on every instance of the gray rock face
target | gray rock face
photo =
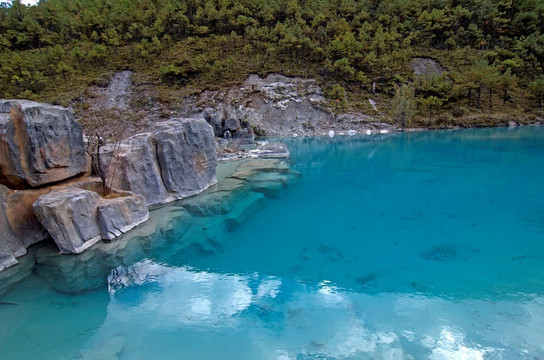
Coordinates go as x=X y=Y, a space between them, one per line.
x=6 y=260
x=119 y=215
x=135 y=168
x=245 y=136
x=186 y=154
x=232 y=124
x=70 y=217
x=174 y=161
x=9 y=242
x=214 y=120
x=426 y=67
x=39 y=144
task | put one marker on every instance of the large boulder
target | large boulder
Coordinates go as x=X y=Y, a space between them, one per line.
x=132 y=165
x=70 y=216
x=214 y=119
x=232 y=124
x=176 y=160
x=39 y=144
x=187 y=157
x=118 y=215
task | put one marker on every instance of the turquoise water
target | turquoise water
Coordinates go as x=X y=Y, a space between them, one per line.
x=399 y=246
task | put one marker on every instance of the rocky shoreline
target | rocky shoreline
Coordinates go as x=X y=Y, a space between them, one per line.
x=48 y=191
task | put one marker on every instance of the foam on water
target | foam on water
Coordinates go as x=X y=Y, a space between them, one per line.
x=397 y=246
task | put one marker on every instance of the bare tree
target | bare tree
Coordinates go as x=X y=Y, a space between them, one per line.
x=103 y=126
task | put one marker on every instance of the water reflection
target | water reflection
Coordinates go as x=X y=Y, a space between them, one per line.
x=208 y=315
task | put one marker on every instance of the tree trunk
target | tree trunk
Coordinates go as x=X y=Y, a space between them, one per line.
x=479 y=99
x=505 y=96
x=430 y=114
x=469 y=97
x=490 y=99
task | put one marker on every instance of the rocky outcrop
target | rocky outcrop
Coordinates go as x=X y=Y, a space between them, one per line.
x=176 y=160
x=186 y=154
x=119 y=215
x=259 y=149
x=77 y=218
x=10 y=243
x=70 y=217
x=276 y=105
x=135 y=167
x=39 y=144
x=229 y=125
x=426 y=67
x=18 y=225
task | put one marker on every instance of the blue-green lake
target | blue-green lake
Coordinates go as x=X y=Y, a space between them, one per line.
x=425 y=245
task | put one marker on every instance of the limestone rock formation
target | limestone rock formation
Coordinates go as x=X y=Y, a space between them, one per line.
x=186 y=154
x=232 y=124
x=119 y=215
x=426 y=67
x=214 y=120
x=39 y=144
x=9 y=242
x=176 y=160
x=6 y=260
x=19 y=227
x=70 y=215
x=133 y=166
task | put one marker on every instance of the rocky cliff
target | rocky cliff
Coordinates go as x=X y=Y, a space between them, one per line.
x=275 y=105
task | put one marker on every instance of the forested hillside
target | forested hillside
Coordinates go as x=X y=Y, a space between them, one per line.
x=492 y=50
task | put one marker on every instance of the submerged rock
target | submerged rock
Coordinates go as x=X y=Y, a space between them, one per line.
x=39 y=144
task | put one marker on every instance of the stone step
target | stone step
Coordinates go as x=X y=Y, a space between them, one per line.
x=244 y=209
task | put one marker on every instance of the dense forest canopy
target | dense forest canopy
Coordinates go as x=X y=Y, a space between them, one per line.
x=492 y=50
